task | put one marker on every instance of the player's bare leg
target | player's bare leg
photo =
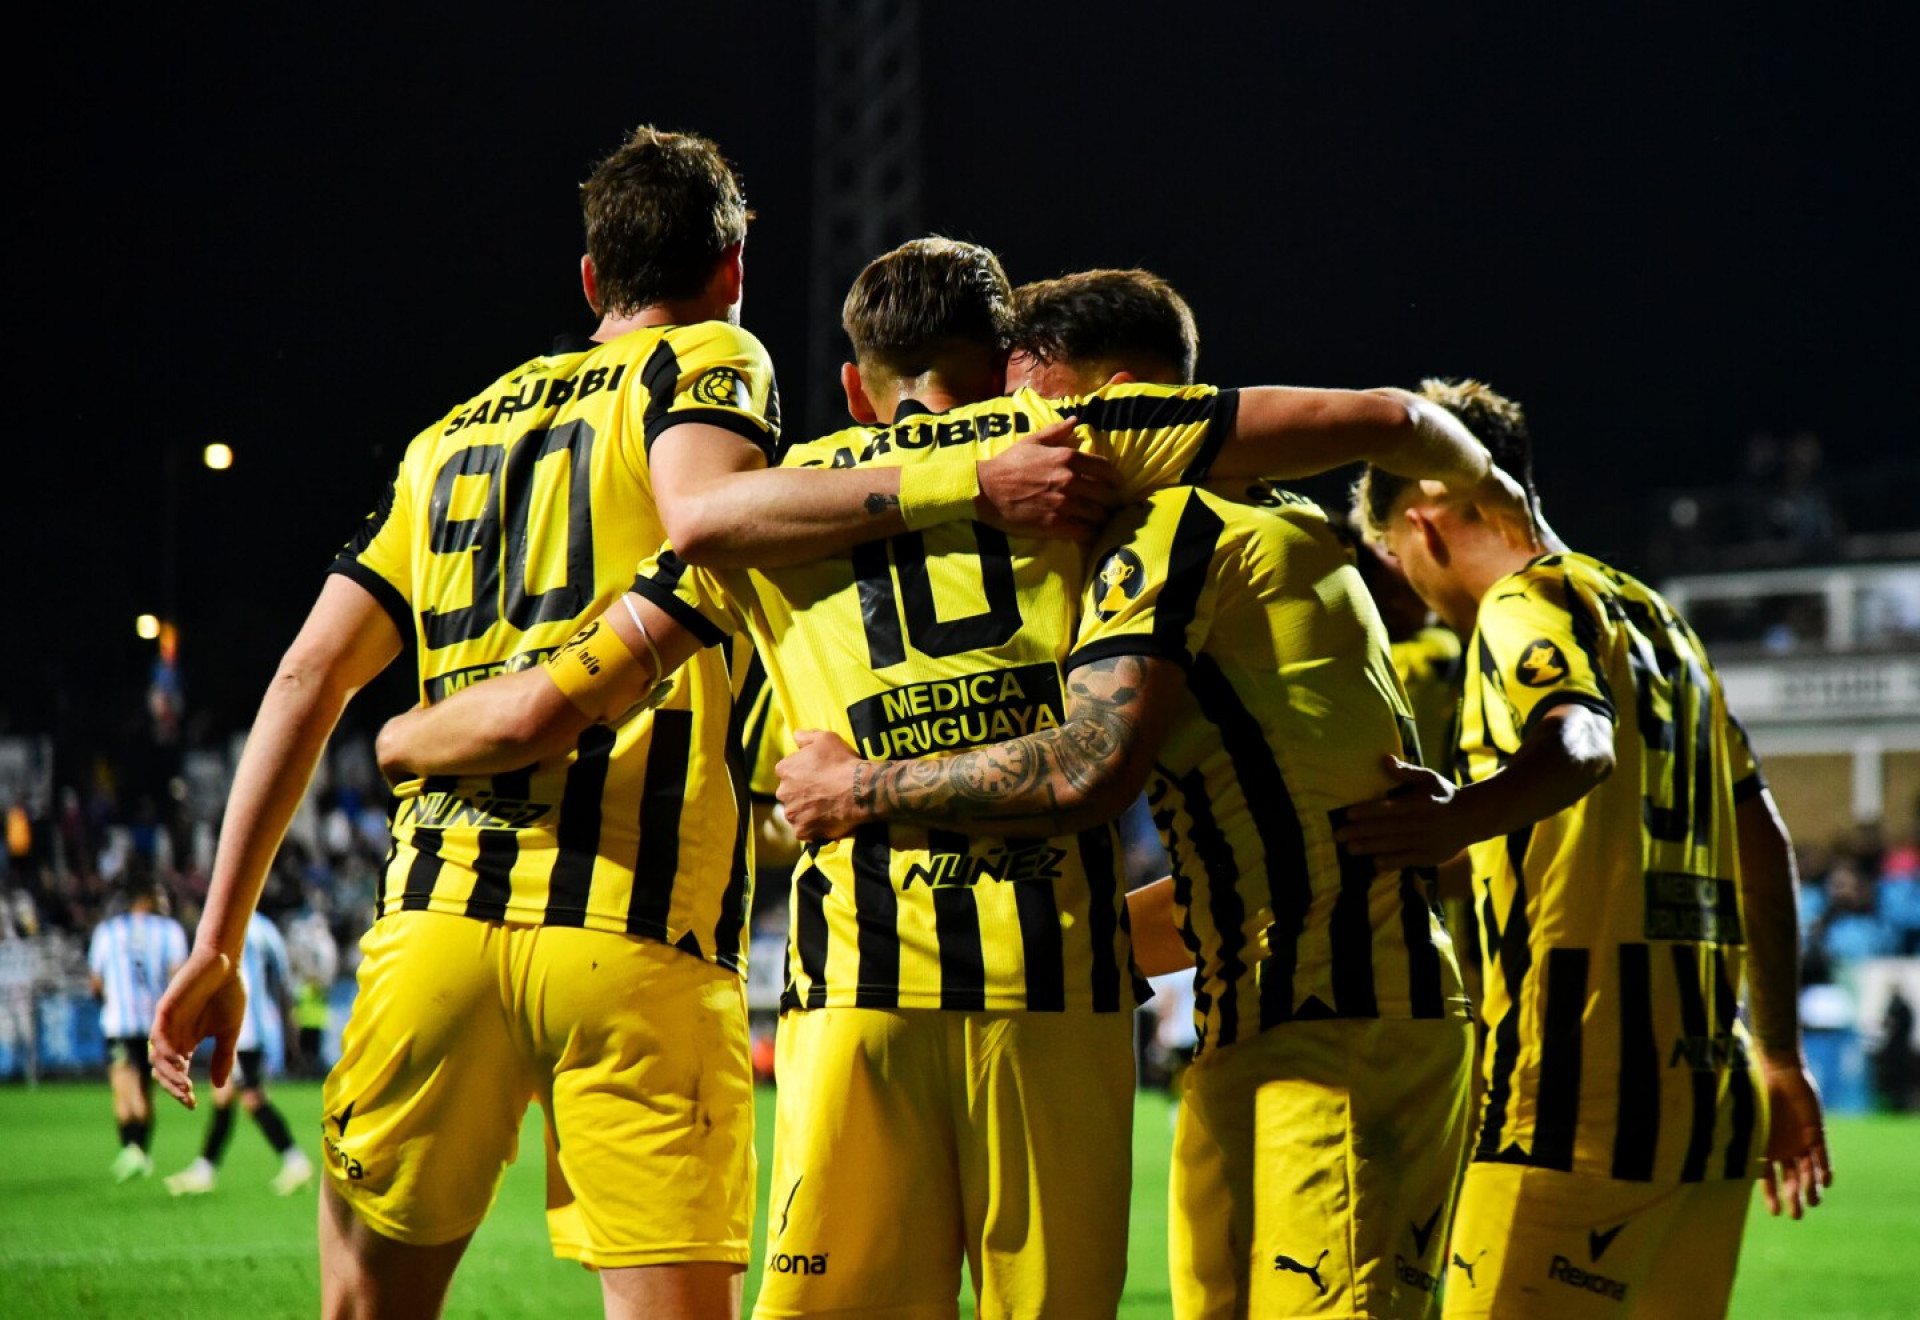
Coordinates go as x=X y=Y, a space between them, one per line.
x=133 y=1114
x=695 y=1290
x=132 y=1102
x=365 y=1276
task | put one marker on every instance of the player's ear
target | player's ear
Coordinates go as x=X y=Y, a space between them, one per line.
x=858 y=403
x=590 y=283
x=732 y=271
x=1428 y=532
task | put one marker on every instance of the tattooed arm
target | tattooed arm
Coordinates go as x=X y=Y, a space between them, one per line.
x=1059 y=781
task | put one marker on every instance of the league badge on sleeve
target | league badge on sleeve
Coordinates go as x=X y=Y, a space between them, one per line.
x=1541 y=664
x=1120 y=577
x=722 y=387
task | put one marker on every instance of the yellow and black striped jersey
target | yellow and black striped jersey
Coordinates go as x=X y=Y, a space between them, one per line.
x=765 y=739
x=1290 y=709
x=1430 y=668
x=936 y=641
x=512 y=520
x=1613 y=930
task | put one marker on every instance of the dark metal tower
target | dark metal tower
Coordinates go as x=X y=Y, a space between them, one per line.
x=866 y=169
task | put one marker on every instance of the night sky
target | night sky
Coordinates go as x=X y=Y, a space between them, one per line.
x=306 y=236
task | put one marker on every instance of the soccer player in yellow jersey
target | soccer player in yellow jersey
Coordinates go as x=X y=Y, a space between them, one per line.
x=568 y=930
x=1632 y=876
x=955 y=1055
x=1230 y=660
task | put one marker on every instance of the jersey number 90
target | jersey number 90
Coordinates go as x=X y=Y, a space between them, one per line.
x=501 y=536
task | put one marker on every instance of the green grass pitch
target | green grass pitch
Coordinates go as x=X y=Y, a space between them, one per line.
x=74 y=1244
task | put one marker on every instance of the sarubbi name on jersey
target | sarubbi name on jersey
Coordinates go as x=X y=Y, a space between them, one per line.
x=936 y=435
x=559 y=391
x=950 y=713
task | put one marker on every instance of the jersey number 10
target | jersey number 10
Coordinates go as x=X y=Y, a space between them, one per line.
x=881 y=609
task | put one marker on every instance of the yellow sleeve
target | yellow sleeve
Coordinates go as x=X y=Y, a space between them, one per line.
x=1539 y=646
x=701 y=600
x=714 y=374
x=1151 y=589
x=1156 y=435
x=380 y=557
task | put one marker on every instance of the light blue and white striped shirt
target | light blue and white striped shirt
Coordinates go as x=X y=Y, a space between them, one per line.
x=134 y=954
x=262 y=967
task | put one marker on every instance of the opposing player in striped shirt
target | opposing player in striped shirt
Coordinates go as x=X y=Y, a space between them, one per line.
x=265 y=972
x=1230 y=661
x=129 y=960
x=1632 y=877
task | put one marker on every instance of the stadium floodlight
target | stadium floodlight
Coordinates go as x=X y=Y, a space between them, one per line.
x=217 y=456
x=148 y=626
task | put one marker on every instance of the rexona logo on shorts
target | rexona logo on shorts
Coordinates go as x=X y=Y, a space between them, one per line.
x=1565 y=1271
x=947 y=714
x=782 y=1262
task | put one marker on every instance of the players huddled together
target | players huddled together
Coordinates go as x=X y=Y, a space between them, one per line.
x=1044 y=572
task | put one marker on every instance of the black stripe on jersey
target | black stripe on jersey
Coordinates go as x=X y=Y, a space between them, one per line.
x=1512 y=949
x=1426 y=992
x=1693 y=1023
x=1557 y=1107
x=660 y=377
x=1228 y=911
x=1040 y=946
x=659 y=589
x=1637 y=1135
x=1103 y=895
x=1750 y=787
x=1128 y=644
x=1226 y=416
x=384 y=593
x=736 y=904
x=1739 y=1080
x=1350 y=931
x=669 y=758
x=1547 y=704
x=742 y=425
x=425 y=871
x=1289 y=878
x=577 y=837
x=498 y=851
x=876 y=909
x=810 y=933
x=393 y=851
x=1586 y=634
x=1140 y=412
x=963 y=968
x=1195 y=538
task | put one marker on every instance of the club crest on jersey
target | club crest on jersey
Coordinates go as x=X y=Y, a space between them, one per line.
x=721 y=387
x=1121 y=576
x=1541 y=665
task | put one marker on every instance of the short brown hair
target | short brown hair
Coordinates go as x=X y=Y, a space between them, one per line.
x=660 y=211
x=1107 y=316
x=925 y=299
x=1496 y=421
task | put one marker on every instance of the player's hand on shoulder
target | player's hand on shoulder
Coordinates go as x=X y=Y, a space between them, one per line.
x=1797 y=1165
x=1047 y=486
x=205 y=998
x=817 y=787
x=1416 y=823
